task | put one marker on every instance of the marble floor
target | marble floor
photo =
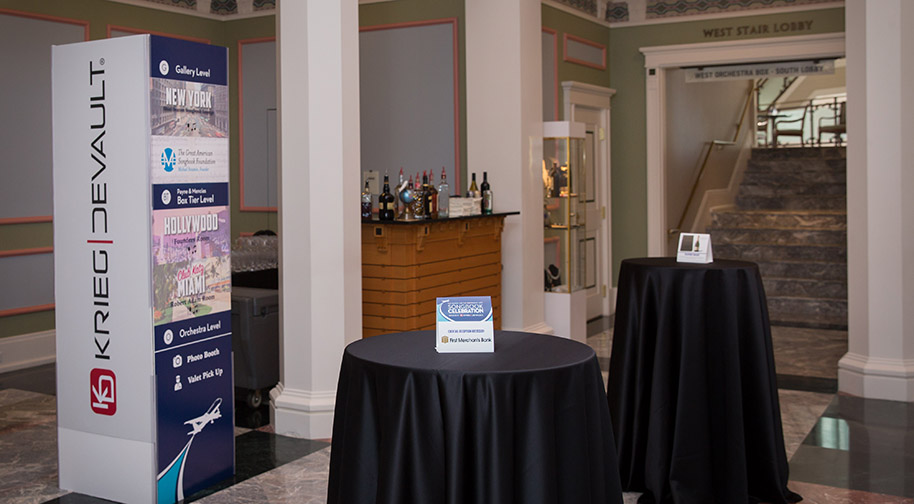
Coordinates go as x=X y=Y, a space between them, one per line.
x=842 y=449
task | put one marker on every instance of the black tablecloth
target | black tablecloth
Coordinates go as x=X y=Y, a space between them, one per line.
x=526 y=424
x=692 y=386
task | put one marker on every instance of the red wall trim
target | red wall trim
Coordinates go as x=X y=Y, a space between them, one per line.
x=241 y=205
x=26 y=309
x=26 y=220
x=142 y=31
x=453 y=22
x=566 y=37
x=25 y=252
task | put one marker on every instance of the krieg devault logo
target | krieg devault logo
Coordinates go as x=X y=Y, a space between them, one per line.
x=163 y=67
x=103 y=391
x=169 y=158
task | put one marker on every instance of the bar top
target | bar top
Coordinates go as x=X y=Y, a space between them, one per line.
x=375 y=220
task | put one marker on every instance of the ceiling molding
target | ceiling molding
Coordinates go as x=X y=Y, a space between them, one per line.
x=245 y=9
x=745 y=51
x=724 y=15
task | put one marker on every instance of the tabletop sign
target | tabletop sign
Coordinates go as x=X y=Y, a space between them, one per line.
x=464 y=324
x=695 y=248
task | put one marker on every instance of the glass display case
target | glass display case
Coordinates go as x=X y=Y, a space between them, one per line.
x=564 y=212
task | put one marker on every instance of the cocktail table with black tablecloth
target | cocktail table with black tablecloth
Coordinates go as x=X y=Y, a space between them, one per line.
x=528 y=423
x=692 y=385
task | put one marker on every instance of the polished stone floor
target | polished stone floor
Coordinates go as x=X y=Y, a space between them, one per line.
x=842 y=449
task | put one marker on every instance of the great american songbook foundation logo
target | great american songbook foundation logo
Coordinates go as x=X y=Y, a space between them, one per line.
x=169 y=159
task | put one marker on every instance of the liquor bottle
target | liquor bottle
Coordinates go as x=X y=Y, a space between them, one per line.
x=443 y=195
x=431 y=196
x=386 y=203
x=398 y=210
x=418 y=199
x=366 y=202
x=426 y=204
x=473 y=191
x=486 y=194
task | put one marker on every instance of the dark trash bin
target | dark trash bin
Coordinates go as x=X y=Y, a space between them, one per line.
x=255 y=342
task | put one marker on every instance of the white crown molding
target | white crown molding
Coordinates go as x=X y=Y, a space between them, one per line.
x=745 y=51
x=589 y=95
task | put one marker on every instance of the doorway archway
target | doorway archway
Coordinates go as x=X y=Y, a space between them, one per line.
x=659 y=59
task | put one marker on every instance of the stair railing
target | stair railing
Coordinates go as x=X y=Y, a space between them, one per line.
x=714 y=145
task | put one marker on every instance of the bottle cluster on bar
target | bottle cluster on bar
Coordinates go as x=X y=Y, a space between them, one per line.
x=415 y=198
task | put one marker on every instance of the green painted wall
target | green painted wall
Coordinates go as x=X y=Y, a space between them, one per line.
x=629 y=138
x=563 y=22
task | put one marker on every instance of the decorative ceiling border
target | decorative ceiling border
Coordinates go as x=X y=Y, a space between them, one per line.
x=221 y=10
x=656 y=9
x=623 y=13
x=639 y=12
x=229 y=10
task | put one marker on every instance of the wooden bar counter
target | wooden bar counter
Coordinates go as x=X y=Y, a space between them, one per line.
x=407 y=264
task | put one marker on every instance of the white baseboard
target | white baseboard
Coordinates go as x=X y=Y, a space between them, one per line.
x=302 y=413
x=27 y=350
x=876 y=378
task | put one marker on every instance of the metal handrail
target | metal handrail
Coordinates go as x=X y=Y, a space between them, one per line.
x=714 y=143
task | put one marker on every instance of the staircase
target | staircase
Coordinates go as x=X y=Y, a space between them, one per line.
x=791 y=219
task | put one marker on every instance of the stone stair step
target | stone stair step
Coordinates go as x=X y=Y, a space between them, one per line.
x=765 y=252
x=792 y=203
x=808 y=312
x=815 y=321
x=769 y=236
x=791 y=219
x=820 y=271
x=806 y=167
x=799 y=153
x=806 y=288
x=794 y=178
x=791 y=190
x=780 y=219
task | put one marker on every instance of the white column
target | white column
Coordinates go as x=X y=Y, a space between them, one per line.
x=504 y=138
x=319 y=234
x=880 y=70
